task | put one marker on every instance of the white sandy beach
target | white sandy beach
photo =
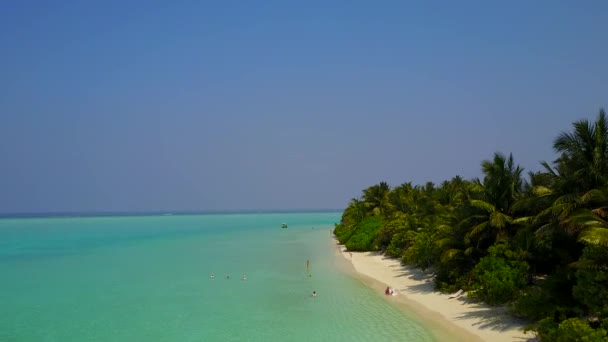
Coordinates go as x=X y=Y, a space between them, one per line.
x=415 y=288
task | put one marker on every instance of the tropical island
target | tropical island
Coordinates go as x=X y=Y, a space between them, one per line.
x=535 y=243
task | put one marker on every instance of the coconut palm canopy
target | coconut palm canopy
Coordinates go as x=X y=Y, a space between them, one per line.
x=498 y=236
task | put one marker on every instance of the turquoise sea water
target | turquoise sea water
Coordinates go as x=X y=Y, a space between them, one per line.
x=146 y=278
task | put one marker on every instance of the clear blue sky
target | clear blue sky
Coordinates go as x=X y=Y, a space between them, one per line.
x=149 y=105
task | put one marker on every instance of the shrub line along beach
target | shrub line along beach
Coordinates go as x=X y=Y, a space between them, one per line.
x=531 y=245
x=415 y=289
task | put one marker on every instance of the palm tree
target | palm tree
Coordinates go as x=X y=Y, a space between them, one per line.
x=376 y=198
x=584 y=154
x=399 y=197
x=354 y=213
x=583 y=216
x=351 y=217
x=499 y=190
x=502 y=181
x=569 y=202
x=574 y=192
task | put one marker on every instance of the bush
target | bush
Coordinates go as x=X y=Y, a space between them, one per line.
x=364 y=237
x=591 y=286
x=546 y=329
x=343 y=232
x=460 y=282
x=396 y=247
x=497 y=279
x=452 y=276
x=533 y=304
x=577 y=330
x=421 y=252
x=571 y=329
x=386 y=235
x=559 y=285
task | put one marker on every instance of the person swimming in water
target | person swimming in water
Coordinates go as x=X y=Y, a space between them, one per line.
x=212 y=276
x=314 y=293
x=244 y=277
x=228 y=276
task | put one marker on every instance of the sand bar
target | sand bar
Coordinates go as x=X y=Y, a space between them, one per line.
x=415 y=289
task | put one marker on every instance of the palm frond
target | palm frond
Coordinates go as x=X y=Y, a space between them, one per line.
x=542 y=191
x=544 y=228
x=592 y=194
x=567 y=199
x=499 y=220
x=586 y=217
x=548 y=168
x=523 y=220
x=469 y=251
x=450 y=254
x=483 y=205
x=587 y=265
x=476 y=186
x=444 y=228
x=480 y=228
x=544 y=214
x=596 y=236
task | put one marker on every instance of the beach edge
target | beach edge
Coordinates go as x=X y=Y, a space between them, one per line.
x=456 y=317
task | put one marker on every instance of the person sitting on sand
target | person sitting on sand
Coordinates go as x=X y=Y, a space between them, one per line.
x=314 y=293
x=387 y=291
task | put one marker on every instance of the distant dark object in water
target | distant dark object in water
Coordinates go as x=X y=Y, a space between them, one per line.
x=284 y=225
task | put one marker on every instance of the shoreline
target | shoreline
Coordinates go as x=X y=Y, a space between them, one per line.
x=456 y=318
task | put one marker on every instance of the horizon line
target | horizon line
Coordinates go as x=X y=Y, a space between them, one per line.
x=162 y=212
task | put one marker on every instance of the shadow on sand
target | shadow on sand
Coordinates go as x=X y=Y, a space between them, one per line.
x=485 y=317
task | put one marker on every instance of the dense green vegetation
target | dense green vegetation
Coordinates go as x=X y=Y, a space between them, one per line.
x=537 y=242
